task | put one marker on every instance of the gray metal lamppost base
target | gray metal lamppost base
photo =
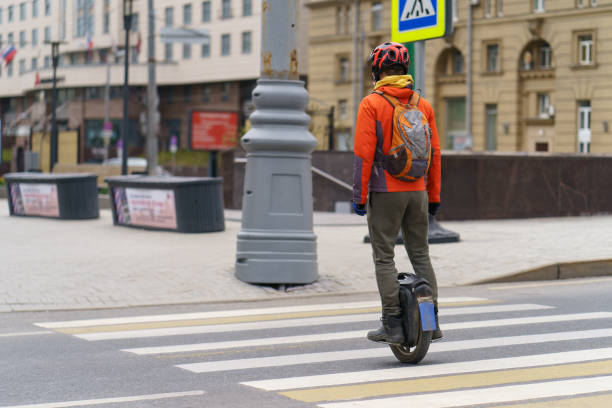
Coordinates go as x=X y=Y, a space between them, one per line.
x=437 y=234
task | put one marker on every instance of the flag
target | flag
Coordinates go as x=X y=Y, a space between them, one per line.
x=89 y=44
x=9 y=53
x=37 y=80
x=138 y=44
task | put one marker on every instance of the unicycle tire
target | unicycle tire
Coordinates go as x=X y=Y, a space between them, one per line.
x=415 y=354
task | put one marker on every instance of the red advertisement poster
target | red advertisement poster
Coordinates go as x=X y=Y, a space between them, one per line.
x=214 y=130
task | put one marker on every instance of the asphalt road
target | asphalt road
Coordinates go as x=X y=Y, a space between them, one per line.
x=545 y=344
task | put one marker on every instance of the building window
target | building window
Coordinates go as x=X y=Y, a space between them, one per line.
x=493 y=58
x=187 y=14
x=22 y=39
x=205 y=50
x=11 y=13
x=169 y=16
x=85 y=17
x=585 y=49
x=247 y=7
x=491 y=127
x=225 y=44
x=457 y=61
x=186 y=51
x=593 y=2
x=544 y=56
x=584 y=126
x=47 y=61
x=226 y=9
x=73 y=58
x=168 y=52
x=455 y=124
x=22 y=11
x=47 y=7
x=343 y=69
x=135 y=22
x=11 y=40
x=538 y=6
x=225 y=93
x=9 y=69
x=35 y=37
x=187 y=93
x=34 y=8
x=342 y=20
x=206 y=93
x=500 y=8
x=22 y=66
x=377 y=9
x=580 y=3
x=487 y=8
x=205 y=11
x=47 y=34
x=1 y=9
x=106 y=22
x=342 y=109
x=246 y=42
x=544 y=105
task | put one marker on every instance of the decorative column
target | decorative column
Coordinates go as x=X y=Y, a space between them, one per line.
x=276 y=244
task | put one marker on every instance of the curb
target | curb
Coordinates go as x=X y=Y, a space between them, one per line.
x=558 y=271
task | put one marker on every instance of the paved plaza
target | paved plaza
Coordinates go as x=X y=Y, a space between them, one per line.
x=48 y=264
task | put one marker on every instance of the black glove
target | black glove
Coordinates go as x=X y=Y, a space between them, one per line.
x=433 y=208
x=360 y=209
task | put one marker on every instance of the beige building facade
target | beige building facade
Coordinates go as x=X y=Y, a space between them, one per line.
x=217 y=75
x=541 y=72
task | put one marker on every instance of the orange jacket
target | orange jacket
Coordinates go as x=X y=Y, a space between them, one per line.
x=373 y=129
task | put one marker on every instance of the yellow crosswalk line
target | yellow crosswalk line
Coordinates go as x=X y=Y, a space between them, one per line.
x=594 y=401
x=452 y=382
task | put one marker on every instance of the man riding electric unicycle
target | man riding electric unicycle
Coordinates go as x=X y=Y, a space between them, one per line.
x=396 y=182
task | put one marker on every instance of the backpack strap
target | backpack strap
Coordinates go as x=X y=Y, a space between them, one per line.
x=387 y=99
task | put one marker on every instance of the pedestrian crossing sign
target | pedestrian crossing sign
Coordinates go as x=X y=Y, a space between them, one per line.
x=417 y=20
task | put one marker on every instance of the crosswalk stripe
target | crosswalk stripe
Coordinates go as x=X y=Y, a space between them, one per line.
x=452 y=382
x=590 y=401
x=491 y=395
x=357 y=333
x=327 y=380
x=382 y=351
x=103 y=401
x=231 y=313
x=245 y=343
x=281 y=323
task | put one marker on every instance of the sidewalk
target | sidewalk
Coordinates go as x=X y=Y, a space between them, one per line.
x=49 y=264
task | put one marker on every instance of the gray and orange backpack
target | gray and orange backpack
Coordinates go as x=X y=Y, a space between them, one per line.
x=409 y=156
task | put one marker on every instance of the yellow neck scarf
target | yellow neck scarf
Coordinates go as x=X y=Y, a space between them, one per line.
x=396 y=81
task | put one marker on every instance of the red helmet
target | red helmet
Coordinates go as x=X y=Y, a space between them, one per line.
x=388 y=55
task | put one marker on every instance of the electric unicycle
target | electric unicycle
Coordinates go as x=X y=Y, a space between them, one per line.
x=418 y=318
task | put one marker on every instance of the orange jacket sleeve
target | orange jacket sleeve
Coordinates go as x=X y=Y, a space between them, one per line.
x=365 y=147
x=435 y=168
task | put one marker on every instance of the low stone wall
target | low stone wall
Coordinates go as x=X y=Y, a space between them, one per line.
x=475 y=186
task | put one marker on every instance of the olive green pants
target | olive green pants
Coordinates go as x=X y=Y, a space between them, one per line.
x=387 y=212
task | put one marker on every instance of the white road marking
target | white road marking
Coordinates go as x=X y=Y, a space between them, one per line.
x=419 y=371
x=102 y=401
x=358 y=333
x=19 y=334
x=230 y=313
x=491 y=395
x=383 y=351
x=246 y=343
x=275 y=324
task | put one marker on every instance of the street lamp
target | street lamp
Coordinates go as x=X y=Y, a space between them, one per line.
x=55 y=60
x=127 y=25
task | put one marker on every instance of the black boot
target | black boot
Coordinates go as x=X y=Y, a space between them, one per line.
x=390 y=332
x=437 y=334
